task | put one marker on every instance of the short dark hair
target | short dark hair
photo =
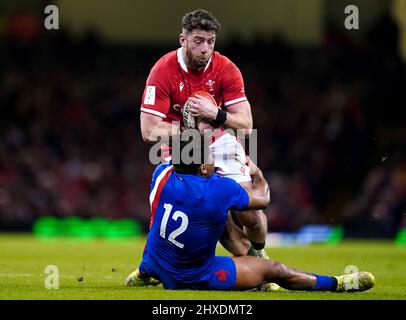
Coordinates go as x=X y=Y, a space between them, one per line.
x=196 y=145
x=200 y=19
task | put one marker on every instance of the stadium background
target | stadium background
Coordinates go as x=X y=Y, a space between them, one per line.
x=328 y=103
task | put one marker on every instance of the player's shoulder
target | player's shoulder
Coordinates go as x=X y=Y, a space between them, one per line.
x=169 y=58
x=166 y=166
x=162 y=166
x=222 y=62
x=223 y=184
x=226 y=192
x=166 y=62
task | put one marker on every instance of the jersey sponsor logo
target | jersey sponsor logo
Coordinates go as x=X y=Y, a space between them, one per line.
x=222 y=275
x=150 y=95
x=181 y=85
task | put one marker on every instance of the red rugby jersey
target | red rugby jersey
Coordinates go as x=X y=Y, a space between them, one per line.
x=170 y=83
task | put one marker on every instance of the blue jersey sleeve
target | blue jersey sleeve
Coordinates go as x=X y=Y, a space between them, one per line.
x=230 y=195
x=157 y=172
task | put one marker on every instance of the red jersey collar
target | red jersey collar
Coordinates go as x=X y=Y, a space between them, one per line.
x=183 y=63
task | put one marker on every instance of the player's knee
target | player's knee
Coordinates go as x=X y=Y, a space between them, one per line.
x=281 y=270
x=253 y=219
x=237 y=247
x=240 y=251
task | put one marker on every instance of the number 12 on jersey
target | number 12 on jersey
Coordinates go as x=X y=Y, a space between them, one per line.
x=182 y=228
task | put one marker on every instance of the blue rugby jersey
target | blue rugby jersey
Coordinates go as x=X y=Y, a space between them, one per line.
x=188 y=216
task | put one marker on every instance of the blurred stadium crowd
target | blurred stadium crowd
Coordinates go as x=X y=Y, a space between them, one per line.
x=330 y=120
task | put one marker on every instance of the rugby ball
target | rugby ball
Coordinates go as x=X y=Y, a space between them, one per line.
x=190 y=121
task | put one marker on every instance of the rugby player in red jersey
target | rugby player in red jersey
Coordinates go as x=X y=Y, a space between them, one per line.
x=173 y=81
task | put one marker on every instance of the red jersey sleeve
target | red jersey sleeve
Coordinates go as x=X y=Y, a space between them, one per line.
x=232 y=86
x=156 y=96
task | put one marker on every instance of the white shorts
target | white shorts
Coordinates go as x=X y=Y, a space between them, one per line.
x=229 y=158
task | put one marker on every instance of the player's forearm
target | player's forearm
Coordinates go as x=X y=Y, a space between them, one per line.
x=258 y=192
x=161 y=130
x=238 y=121
x=260 y=185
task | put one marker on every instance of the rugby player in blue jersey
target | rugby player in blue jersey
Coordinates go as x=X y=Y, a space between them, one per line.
x=189 y=206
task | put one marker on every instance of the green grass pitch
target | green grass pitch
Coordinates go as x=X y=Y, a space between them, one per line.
x=97 y=269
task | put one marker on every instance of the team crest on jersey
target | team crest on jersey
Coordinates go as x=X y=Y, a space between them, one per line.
x=222 y=275
x=210 y=84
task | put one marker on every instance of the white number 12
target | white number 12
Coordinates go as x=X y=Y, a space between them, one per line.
x=178 y=214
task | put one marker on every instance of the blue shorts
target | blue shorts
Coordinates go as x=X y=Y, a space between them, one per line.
x=221 y=275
